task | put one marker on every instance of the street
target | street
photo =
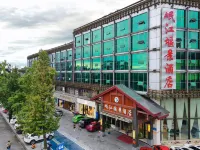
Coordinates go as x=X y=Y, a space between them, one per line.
x=7 y=134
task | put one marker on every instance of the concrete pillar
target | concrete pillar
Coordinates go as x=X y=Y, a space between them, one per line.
x=156 y=132
x=135 y=129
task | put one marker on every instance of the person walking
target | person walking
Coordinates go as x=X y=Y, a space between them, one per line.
x=8 y=145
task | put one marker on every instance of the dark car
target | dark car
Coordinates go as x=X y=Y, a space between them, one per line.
x=58 y=113
x=84 y=122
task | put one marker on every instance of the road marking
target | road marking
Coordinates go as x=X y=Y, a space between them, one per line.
x=57 y=142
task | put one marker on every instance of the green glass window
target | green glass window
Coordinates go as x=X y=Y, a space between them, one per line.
x=57 y=56
x=86 y=51
x=107 y=79
x=78 y=53
x=139 y=61
x=96 y=50
x=62 y=65
x=194 y=61
x=140 y=41
x=180 y=60
x=122 y=27
x=96 y=64
x=95 y=78
x=77 y=77
x=180 y=81
x=193 y=20
x=78 y=41
x=140 y=22
x=107 y=63
x=194 y=81
x=68 y=76
x=86 y=77
x=69 y=66
x=193 y=40
x=62 y=55
x=181 y=18
x=122 y=45
x=78 y=65
x=62 y=77
x=108 y=47
x=69 y=55
x=121 y=62
x=86 y=38
x=121 y=78
x=96 y=35
x=108 y=32
x=57 y=65
x=86 y=64
x=180 y=39
x=139 y=81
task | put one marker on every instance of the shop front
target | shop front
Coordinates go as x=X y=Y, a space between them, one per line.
x=65 y=101
x=129 y=113
x=87 y=107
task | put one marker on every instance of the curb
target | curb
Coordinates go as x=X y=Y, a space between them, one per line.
x=22 y=142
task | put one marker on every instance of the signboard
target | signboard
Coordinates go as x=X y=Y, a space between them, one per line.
x=117 y=109
x=168 y=49
x=63 y=96
x=60 y=146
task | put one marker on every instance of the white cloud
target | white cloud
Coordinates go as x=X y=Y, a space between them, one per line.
x=27 y=26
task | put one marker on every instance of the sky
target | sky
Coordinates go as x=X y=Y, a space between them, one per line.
x=26 y=26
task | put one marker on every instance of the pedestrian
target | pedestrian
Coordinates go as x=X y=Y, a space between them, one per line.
x=8 y=145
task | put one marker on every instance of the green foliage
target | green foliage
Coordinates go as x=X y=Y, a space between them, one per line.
x=37 y=114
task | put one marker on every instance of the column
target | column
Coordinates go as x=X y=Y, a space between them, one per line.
x=150 y=132
x=135 y=129
x=157 y=132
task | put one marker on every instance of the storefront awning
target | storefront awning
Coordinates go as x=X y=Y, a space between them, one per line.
x=116 y=117
x=147 y=105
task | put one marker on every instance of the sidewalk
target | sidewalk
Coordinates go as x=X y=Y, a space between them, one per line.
x=19 y=136
x=89 y=140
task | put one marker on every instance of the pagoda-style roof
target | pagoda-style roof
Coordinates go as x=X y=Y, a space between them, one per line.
x=146 y=104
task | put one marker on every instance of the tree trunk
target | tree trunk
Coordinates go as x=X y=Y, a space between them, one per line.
x=10 y=115
x=45 y=141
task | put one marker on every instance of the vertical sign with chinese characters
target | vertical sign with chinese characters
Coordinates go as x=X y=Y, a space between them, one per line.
x=168 y=49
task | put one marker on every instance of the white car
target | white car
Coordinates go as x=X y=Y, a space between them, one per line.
x=16 y=125
x=13 y=120
x=32 y=138
x=194 y=147
x=179 y=148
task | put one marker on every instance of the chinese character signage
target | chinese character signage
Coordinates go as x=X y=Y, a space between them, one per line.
x=168 y=49
x=118 y=110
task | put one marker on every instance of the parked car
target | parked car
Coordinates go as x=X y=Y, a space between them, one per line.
x=93 y=126
x=179 y=148
x=58 y=113
x=16 y=125
x=13 y=120
x=194 y=147
x=5 y=111
x=33 y=138
x=160 y=147
x=86 y=121
x=77 y=118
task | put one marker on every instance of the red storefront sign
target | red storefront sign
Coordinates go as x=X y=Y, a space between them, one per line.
x=169 y=49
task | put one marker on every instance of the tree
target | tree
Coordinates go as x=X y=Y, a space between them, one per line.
x=9 y=86
x=37 y=114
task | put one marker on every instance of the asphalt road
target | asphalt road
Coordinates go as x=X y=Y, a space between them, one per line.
x=7 y=134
